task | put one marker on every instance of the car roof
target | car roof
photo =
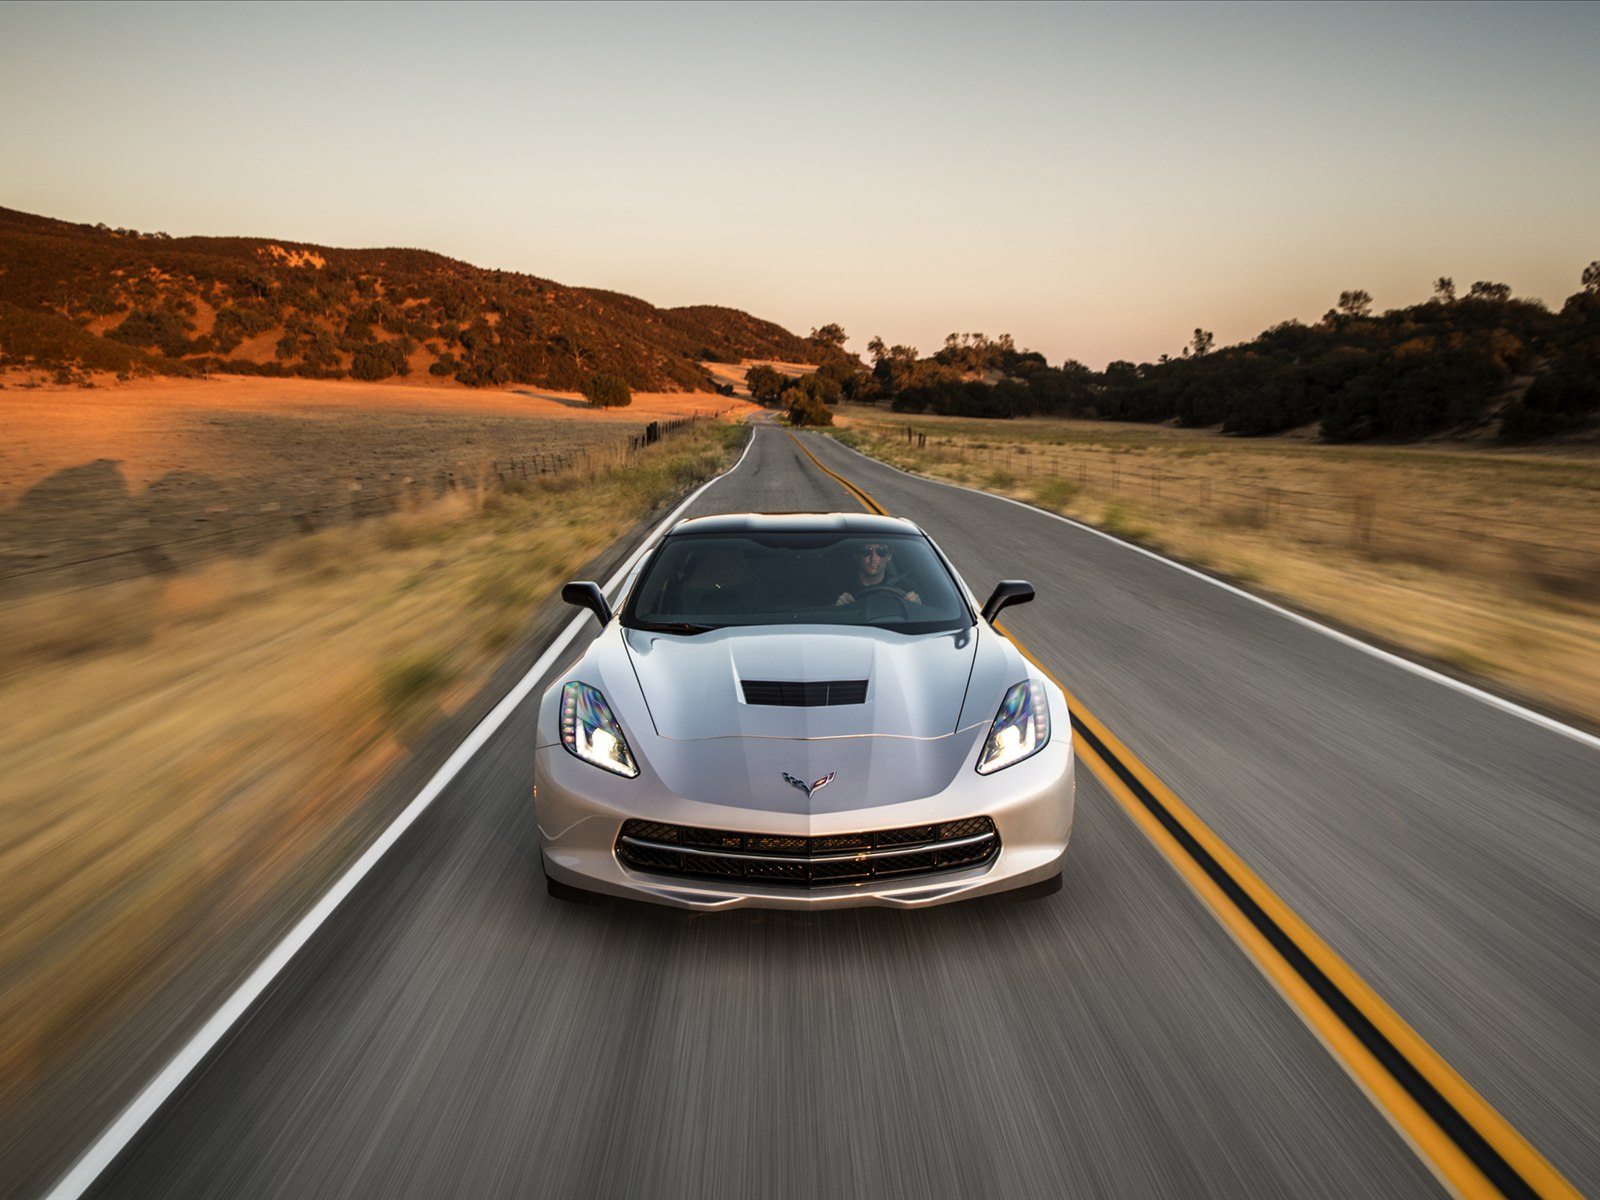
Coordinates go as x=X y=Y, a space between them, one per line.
x=843 y=523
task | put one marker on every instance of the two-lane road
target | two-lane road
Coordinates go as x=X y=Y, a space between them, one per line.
x=451 y=1031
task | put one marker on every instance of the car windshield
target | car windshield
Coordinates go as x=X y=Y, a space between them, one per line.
x=697 y=582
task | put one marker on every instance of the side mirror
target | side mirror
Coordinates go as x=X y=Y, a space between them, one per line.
x=588 y=595
x=1006 y=593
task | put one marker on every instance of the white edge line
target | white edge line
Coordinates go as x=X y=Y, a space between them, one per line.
x=1416 y=668
x=105 y=1148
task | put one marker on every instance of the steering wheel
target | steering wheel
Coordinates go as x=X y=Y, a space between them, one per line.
x=865 y=595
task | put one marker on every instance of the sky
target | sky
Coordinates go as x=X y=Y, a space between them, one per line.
x=1095 y=180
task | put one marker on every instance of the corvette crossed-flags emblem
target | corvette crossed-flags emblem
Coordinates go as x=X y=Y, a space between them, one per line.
x=808 y=788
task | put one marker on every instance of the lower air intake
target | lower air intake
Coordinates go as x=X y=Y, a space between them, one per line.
x=807 y=862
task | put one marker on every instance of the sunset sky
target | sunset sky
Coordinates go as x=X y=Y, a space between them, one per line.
x=1095 y=180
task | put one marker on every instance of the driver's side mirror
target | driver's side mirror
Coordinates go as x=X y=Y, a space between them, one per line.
x=588 y=595
x=1006 y=593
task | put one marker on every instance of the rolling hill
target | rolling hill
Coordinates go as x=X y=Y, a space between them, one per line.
x=79 y=298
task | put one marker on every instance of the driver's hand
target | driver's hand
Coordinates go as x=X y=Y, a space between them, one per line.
x=914 y=598
x=844 y=598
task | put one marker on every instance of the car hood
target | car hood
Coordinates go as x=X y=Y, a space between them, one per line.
x=916 y=685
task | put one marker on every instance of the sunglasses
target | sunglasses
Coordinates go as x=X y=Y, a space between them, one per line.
x=869 y=551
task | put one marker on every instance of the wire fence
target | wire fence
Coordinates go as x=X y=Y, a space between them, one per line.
x=1366 y=514
x=587 y=458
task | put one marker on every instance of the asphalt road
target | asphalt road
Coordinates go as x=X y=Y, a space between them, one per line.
x=452 y=1031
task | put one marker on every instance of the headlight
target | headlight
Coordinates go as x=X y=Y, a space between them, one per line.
x=1020 y=729
x=590 y=731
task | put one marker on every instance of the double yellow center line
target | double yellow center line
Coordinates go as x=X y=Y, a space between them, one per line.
x=1468 y=1145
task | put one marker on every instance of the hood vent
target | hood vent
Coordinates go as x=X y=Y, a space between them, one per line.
x=785 y=694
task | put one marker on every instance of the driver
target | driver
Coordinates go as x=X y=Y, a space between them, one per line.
x=874 y=562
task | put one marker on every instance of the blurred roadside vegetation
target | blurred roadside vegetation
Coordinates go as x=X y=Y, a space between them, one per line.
x=188 y=758
x=1484 y=561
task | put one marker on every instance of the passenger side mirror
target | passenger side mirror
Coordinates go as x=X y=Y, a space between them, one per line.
x=588 y=595
x=1006 y=593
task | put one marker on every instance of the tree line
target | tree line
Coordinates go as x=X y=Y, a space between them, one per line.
x=1449 y=363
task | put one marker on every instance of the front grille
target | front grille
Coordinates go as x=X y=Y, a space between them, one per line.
x=787 y=694
x=807 y=862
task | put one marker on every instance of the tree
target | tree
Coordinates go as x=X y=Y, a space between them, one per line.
x=765 y=384
x=1357 y=303
x=877 y=349
x=1560 y=399
x=560 y=343
x=607 y=391
x=379 y=360
x=1494 y=293
x=1203 y=339
x=832 y=334
x=861 y=388
x=819 y=387
x=1444 y=290
x=896 y=367
x=804 y=409
x=1591 y=278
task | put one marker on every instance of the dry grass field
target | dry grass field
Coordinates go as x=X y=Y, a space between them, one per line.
x=732 y=374
x=187 y=744
x=154 y=476
x=1484 y=562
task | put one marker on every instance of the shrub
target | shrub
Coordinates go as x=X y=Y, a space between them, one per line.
x=1409 y=395
x=806 y=409
x=46 y=338
x=1056 y=493
x=1118 y=520
x=163 y=329
x=1557 y=401
x=320 y=352
x=234 y=323
x=378 y=361
x=953 y=397
x=607 y=391
x=406 y=681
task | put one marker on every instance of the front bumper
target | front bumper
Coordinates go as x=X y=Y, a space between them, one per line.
x=580 y=810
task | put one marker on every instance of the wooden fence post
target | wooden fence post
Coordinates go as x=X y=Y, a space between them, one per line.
x=1362 y=507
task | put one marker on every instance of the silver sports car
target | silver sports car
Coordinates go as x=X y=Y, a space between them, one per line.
x=801 y=711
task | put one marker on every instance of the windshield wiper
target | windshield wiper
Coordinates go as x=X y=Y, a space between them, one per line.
x=684 y=627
